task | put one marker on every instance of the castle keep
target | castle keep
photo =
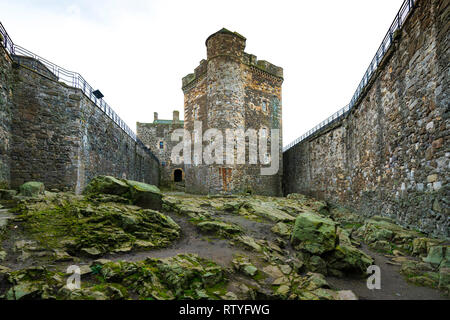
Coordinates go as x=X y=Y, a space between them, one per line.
x=232 y=90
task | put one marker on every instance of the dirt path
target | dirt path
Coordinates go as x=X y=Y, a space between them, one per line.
x=393 y=284
x=191 y=241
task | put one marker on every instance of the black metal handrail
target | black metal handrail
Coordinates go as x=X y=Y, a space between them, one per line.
x=72 y=79
x=398 y=22
x=5 y=40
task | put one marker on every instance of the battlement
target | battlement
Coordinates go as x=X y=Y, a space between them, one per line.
x=263 y=65
x=156 y=121
x=232 y=44
x=198 y=73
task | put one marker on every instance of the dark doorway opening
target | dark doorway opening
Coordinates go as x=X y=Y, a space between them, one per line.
x=178 y=175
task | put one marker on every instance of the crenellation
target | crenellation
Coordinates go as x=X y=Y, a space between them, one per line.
x=263 y=68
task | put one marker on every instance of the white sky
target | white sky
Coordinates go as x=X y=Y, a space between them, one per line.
x=137 y=51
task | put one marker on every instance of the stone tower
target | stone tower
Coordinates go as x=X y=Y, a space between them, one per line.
x=228 y=91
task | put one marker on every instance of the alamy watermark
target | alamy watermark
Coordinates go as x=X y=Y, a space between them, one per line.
x=197 y=148
x=374 y=281
x=74 y=280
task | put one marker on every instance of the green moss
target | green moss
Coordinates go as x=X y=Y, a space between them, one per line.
x=352 y=226
x=260 y=276
x=77 y=223
x=219 y=289
x=143 y=186
x=4 y=184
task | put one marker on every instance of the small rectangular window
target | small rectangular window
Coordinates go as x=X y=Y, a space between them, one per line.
x=161 y=145
x=195 y=112
x=264 y=106
x=267 y=158
x=263 y=132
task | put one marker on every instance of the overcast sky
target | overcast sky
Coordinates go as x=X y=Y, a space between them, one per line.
x=137 y=51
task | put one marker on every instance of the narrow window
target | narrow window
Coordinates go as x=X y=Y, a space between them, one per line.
x=267 y=158
x=263 y=132
x=195 y=112
x=264 y=106
x=161 y=145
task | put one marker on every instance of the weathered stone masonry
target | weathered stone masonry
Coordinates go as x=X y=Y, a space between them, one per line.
x=157 y=136
x=5 y=116
x=58 y=136
x=232 y=90
x=390 y=155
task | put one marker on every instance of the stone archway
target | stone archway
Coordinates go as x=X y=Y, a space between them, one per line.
x=178 y=175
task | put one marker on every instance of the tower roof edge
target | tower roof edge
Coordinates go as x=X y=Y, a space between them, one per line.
x=226 y=31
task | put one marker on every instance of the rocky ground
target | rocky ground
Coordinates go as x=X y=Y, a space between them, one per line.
x=132 y=241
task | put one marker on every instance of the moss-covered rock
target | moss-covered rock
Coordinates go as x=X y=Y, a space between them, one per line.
x=84 y=227
x=444 y=279
x=139 y=193
x=145 y=195
x=316 y=264
x=31 y=283
x=249 y=243
x=349 y=260
x=383 y=234
x=266 y=209
x=438 y=255
x=32 y=189
x=182 y=276
x=219 y=227
x=422 y=245
x=282 y=229
x=313 y=233
x=194 y=208
x=106 y=185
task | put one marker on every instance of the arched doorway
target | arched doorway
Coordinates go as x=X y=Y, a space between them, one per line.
x=178 y=175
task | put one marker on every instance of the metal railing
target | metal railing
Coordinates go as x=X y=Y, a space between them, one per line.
x=5 y=40
x=327 y=122
x=398 y=22
x=70 y=78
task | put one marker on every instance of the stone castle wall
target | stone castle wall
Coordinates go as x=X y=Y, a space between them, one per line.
x=58 y=136
x=108 y=150
x=390 y=155
x=227 y=91
x=5 y=117
x=45 y=129
x=151 y=134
